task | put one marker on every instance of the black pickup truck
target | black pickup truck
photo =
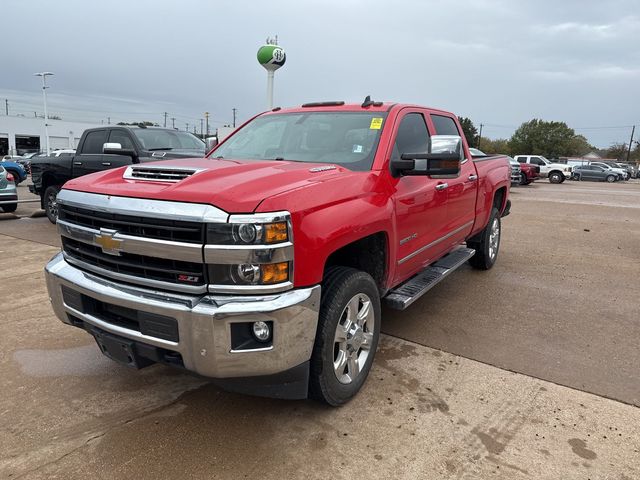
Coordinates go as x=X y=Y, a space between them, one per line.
x=109 y=147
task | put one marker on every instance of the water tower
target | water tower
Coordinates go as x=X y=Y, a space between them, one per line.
x=271 y=56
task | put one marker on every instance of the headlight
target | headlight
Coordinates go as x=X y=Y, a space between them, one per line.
x=247 y=233
x=249 y=274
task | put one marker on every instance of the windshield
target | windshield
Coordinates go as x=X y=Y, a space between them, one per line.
x=348 y=139
x=153 y=139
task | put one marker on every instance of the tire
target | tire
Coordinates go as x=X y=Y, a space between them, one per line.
x=12 y=207
x=50 y=203
x=16 y=177
x=523 y=179
x=487 y=243
x=347 y=294
x=556 y=177
x=576 y=177
x=610 y=178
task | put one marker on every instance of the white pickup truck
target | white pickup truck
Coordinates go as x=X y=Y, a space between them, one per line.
x=556 y=172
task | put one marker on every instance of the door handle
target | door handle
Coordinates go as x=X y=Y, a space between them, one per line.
x=77 y=163
x=106 y=164
x=473 y=178
x=442 y=186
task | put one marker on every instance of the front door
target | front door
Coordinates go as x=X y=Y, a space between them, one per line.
x=89 y=156
x=420 y=201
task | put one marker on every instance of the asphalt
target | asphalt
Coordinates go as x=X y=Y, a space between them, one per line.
x=68 y=412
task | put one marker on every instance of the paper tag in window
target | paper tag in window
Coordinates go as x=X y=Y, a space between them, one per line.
x=357 y=149
x=376 y=123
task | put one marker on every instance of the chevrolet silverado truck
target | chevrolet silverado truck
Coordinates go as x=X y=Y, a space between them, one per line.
x=264 y=265
x=104 y=148
x=555 y=172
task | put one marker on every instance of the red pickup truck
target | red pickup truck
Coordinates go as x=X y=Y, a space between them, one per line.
x=264 y=265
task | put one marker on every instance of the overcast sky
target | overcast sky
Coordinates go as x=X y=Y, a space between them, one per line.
x=498 y=62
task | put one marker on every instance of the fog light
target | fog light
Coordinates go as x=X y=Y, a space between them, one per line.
x=261 y=331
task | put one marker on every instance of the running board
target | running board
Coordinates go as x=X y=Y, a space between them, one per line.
x=411 y=290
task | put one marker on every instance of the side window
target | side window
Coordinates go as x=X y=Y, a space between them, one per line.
x=522 y=160
x=537 y=161
x=412 y=136
x=121 y=137
x=444 y=125
x=94 y=142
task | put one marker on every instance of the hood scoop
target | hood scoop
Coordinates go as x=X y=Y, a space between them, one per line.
x=158 y=173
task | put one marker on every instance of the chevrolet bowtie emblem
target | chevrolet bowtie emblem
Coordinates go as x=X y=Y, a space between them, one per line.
x=109 y=244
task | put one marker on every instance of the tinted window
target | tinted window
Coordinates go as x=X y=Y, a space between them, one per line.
x=522 y=160
x=121 y=137
x=537 y=161
x=412 y=136
x=444 y=125
x=94 y=141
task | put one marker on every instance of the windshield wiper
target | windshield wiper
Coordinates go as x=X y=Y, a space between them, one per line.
x=161 y=148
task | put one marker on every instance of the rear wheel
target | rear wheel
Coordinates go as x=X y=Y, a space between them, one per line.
x=556 y=177
x=347 y=335
x=51 y=202
x=487 y=243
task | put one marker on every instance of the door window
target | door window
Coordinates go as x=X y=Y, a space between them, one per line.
x=444 y=125
x=94 y=142
x=537 y=161
x=121 y=137
x=412 y=136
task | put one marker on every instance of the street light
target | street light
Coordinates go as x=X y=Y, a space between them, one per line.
x=44 y=95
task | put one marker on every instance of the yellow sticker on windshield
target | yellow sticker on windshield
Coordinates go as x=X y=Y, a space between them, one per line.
x=376 y=123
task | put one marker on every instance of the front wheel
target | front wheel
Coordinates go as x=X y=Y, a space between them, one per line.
x=523 y=179
x=347 y=335
x=556 y=177
x=611 y=178
x=487 y=243
x=51 y=203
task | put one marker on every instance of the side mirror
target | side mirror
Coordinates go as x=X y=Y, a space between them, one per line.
x=116 y=149
x=443 y=158
x=211 y=142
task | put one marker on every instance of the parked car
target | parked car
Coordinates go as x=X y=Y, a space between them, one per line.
x=595 y=173
x=8 y=192
x=556 y=172
x=606 y=165
x=18 y=172
x=264 y=265
x=105 y=148
x=529 y=173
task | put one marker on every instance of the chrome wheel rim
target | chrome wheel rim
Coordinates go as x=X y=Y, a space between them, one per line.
x=353 y=338
x=53 y=205
x=494 y=238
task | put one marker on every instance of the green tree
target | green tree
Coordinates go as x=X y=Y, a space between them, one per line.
x=579 y=146
x=495 y=147
x=618 y=151
x=550 y=139
x=469 y=129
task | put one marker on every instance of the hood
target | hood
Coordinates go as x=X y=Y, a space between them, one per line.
x=236 y=186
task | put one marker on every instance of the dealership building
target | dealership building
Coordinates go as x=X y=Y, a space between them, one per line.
x=20 y=135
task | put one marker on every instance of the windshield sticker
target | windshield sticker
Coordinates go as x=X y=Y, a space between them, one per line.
x=376 y=123
x=357 y=149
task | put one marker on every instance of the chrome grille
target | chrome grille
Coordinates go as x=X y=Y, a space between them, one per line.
x=161 y=229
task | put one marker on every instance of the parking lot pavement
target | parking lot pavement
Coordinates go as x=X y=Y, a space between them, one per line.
x=68 y=412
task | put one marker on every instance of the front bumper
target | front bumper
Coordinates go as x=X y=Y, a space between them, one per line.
x=203 y=322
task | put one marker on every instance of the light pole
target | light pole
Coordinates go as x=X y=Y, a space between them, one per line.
x=44 y=96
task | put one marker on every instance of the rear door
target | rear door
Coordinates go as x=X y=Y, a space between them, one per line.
x=461 y=189
x=420 y=201
x=88 y=159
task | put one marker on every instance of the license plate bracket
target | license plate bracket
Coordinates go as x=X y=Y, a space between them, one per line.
x=120 y=350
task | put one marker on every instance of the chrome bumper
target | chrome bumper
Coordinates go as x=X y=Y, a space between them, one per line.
x=203 y=321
